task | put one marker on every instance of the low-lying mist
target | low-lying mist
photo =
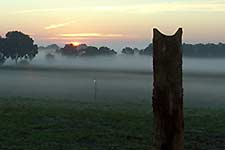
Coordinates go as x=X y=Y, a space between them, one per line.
x=121 y=62
x=203 y=80
x=118 y=62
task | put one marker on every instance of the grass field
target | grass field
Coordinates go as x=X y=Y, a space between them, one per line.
x=56 y=124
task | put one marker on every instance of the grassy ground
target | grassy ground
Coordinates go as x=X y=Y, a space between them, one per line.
x=47 y=124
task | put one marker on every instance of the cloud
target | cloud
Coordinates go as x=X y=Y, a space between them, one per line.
x=65 y=38
x=96 y=35
x=55 y=26
x=86 y=36
x=81 y=35
x=193 y=7
x=41 y=10
x=212 y=6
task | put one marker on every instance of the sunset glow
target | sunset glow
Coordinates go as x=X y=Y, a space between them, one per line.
x=113 y=23
x=75 y=43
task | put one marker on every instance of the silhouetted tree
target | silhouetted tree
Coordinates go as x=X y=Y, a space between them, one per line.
x=18 y=45
x=90 y=51
x=50 y=47
x=106 y=51
x=147 y=50
x=2 y=50
x=69 y=50
x=128 y=50
x=136 y=51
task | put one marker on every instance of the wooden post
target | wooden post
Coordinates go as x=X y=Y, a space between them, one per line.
x=168 y=92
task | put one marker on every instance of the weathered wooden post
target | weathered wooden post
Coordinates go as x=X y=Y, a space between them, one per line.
x=168 y=92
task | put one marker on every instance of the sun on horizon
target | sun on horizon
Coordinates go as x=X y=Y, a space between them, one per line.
x=74 y=43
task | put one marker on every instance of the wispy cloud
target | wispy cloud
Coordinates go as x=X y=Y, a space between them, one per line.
x=212 y=6
x=81 y=35
x=86 y=36
x=65 y=38
x=41 y=10
x=193 y=7
x=91 y=35
x=55 y=26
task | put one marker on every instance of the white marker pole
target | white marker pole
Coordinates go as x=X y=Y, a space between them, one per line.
x=95 y=89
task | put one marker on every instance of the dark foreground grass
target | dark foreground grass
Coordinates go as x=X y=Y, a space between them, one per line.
x=47 y=124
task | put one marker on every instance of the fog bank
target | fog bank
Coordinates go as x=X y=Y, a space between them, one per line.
x=123 y=63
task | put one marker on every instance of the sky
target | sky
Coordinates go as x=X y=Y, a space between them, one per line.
x=115 y=23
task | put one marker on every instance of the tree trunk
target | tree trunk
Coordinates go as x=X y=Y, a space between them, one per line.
x=168 y=92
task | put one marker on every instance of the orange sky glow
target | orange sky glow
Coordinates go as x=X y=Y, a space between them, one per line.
x=113 y=23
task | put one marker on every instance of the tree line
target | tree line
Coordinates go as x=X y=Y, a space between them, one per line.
x=189 y=50
x=84 y=50
x=19 y=46
x=204 y=50
x=195 y=50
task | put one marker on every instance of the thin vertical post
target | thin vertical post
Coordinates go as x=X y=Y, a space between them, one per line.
x=168 y=92
x=95 y=90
